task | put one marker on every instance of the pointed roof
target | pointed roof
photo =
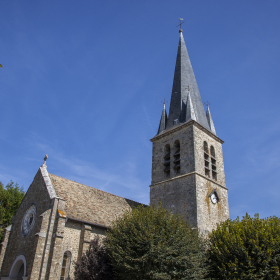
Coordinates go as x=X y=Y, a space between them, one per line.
x=190 y=114
x=184 y=83
x=163 y=120
x=210 y=121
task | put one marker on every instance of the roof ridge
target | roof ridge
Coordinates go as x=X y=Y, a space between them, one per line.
x=95 y=188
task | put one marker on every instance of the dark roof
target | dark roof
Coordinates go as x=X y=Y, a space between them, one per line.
x=184 y=83
x=89 y=204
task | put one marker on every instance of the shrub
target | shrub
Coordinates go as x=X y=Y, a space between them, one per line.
x=94 y=264
x=245 y=249
x=152 y=243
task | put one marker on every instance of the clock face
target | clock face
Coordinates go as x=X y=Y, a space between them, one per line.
x=28 y=220
x=213 y=198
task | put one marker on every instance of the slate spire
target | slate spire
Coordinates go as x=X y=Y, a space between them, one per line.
x=210 y=121
x=190 y=114
x=163 y=120
x=185 y=84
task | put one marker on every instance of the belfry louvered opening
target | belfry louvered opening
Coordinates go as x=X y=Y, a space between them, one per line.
x=177 y=158
x=213 y=163
x=206 y=159
x=167 y=161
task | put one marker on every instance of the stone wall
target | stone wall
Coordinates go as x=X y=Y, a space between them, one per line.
x=187 y=193
x=72 y=242
x=73 y=236
x=185 y=137
x=209 y=214
x=178 y=195
x=199 y=137
x=4 y=244
x=26 y=245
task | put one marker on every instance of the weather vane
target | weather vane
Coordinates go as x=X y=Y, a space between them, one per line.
x=164 y=102
x=181 y=22
x=207 y=103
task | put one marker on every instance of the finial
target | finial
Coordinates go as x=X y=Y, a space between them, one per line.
x=207 y=103
x=163 y=103
x=45 y=159
x=181 y=22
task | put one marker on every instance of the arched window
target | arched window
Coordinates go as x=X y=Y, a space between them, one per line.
x=205 y=147
x=167 y=161
x=213 y=163
x=65 y=269
x=18 y=269
x=176 y=160
x=212 y=150
x=206 y=159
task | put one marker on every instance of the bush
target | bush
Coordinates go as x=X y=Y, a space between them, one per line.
x=246 y=249
x=152 y=243
x=94 y=265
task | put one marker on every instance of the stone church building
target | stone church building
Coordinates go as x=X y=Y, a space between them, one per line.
x=58 y=217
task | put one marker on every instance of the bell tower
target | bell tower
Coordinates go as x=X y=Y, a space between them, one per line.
x=187 y=166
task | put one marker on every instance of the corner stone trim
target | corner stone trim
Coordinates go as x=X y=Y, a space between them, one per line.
x=48 y=182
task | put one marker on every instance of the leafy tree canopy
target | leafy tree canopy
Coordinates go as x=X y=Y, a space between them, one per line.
x=94 y=265
x=246 y=249
x=152 y=243
x=10 y=198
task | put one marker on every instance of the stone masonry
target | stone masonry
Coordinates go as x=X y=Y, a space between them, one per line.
x=188 y=193
x=69 y=215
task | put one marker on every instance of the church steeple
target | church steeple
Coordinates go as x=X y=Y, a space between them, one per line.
x=163 y=120
x=185 y=84
x=188 y=175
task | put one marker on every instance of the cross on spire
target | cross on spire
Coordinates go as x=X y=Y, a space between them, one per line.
x=181 y=22
x=207 y=103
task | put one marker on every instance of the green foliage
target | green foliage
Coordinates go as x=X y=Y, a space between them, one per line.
x=152 y=243
x=246 y=249
x=10 y=198
x=94 y=264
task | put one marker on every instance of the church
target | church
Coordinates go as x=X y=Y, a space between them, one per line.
x=58 y=217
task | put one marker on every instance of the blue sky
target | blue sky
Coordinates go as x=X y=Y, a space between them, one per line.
x=83 y=81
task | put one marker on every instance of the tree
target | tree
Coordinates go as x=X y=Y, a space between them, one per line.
x=10 y=198
x=245 y=249
x=152 y=243
x=94 y=265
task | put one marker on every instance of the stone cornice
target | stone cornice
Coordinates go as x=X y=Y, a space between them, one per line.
x=185 y=175
x=179 y=127
x=87 y=222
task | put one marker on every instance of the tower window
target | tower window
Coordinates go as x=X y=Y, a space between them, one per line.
x=206 y=159
x=213 y=163
x=65 y=269
x=167 y=161
x=205 y=147
x=177 y=157
x=212 y=150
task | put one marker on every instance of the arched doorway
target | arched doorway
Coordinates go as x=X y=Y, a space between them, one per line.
x=18 y=269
